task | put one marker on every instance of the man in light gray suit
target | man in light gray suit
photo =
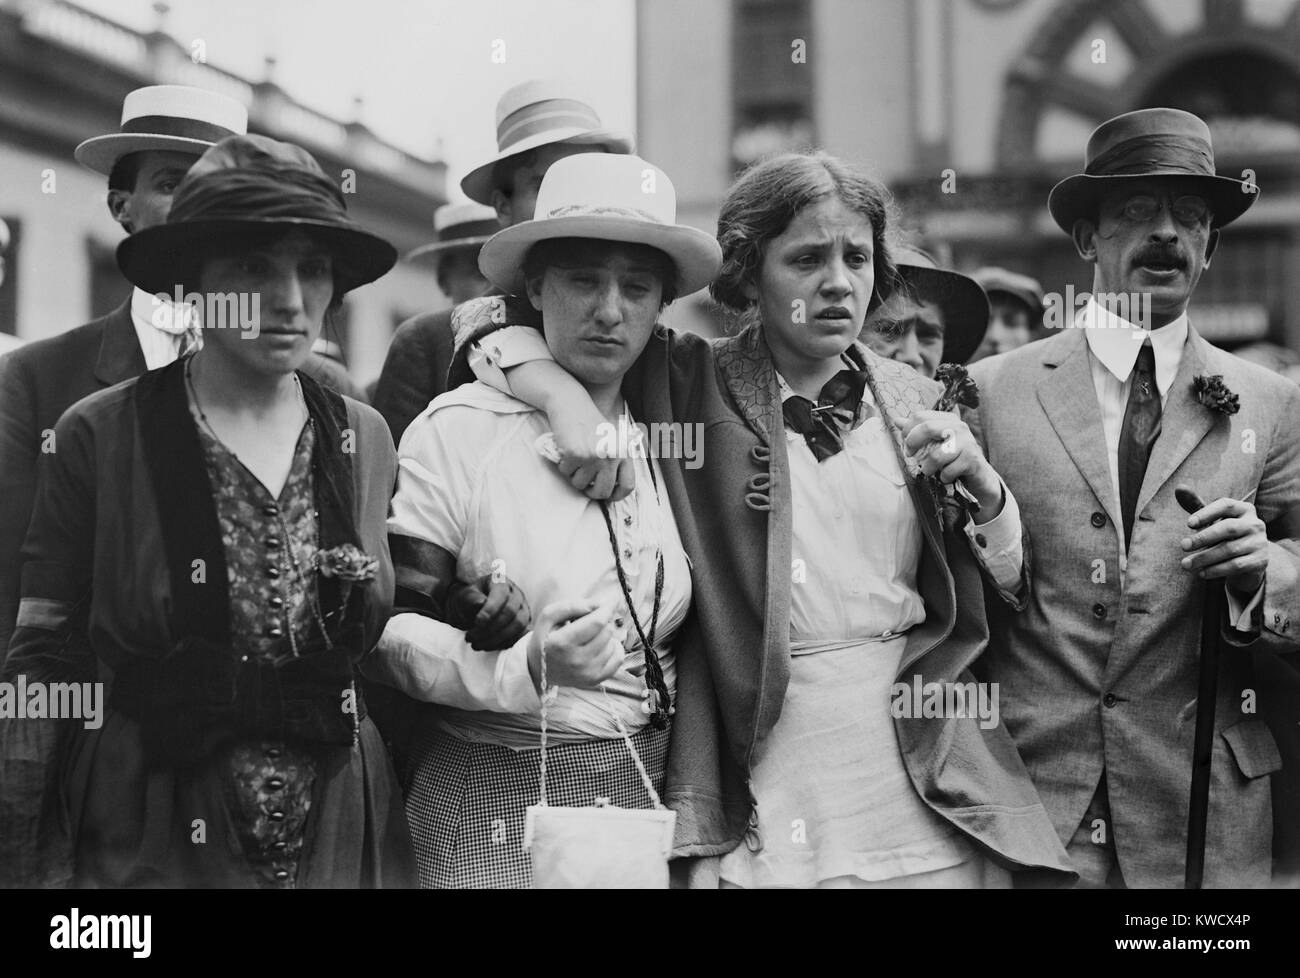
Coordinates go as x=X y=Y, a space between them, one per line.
x=1092 y=430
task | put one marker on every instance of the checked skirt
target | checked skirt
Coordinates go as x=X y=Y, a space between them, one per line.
x=466 y=800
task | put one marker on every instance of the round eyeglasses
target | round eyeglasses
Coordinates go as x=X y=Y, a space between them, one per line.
x=1188 y=210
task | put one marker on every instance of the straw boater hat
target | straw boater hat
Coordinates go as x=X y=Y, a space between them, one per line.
x=595 y=195
x=963 y=303
x=459 y=226
x=166 y=117
x=1166 y=143
x=537 y=113
x=249 y=184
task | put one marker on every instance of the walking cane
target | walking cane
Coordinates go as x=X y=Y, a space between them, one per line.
x=1206 y=691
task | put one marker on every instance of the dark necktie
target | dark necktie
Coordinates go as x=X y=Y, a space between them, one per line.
x=1140 y=431
x=839 y=409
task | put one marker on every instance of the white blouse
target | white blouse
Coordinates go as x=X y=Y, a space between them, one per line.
x=857 y=540
x=474 y=478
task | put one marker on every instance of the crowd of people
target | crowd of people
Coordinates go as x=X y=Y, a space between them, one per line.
x=929 y=608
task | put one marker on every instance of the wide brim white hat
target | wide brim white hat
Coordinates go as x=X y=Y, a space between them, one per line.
x=178 y=118
x=538 y=113
x=604 y=197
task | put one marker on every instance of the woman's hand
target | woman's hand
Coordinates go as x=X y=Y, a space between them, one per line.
x=944 y=446
x=582 y=648
x=580 y=432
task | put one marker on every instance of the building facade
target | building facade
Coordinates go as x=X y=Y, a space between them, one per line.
x=63 y=75
x=970 y=110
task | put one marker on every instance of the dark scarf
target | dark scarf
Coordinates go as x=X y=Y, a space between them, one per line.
x=839 y=409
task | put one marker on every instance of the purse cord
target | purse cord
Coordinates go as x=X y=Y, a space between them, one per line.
x=654 y=672
x=636 y=758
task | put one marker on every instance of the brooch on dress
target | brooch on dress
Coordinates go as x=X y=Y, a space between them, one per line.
x=347 y=564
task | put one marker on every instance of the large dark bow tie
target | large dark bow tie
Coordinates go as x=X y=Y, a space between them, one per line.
x=839 y=410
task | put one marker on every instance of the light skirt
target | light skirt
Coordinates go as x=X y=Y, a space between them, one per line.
x=835 y=805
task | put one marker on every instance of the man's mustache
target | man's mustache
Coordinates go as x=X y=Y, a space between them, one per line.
x=1161 y=256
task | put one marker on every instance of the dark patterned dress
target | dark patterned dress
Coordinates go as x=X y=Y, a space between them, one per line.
x=270 y=548
x=168 y=785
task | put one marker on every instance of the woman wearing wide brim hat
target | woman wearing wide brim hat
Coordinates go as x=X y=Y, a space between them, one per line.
x=1159 y=143
x=959 y=301
x=230 y=567
x=255 y=187
x=619 y=198
x=476 y=492
x=965 y=306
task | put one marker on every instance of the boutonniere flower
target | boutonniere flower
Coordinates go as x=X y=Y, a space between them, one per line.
x=348 y=565
x=959 y=390
x=1214 y=394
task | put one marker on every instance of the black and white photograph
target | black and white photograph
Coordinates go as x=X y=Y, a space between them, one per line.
x=647 y=445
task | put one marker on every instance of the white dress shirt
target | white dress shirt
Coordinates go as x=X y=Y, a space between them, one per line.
x=160 y=327
x=1113 y=345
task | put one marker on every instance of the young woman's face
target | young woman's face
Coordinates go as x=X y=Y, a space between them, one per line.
x=598 y=312
x=816 y=281
x=265 y=306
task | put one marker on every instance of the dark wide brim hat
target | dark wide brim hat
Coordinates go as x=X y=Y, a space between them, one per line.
x=1149 y=144
x=251 y=185
x=963 y=303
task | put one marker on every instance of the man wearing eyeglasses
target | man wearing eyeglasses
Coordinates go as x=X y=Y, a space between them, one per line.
x=1093 y=429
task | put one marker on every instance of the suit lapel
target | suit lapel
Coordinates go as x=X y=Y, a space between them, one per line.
x=1069 y=398
x=1183 y=422
x=120 y=356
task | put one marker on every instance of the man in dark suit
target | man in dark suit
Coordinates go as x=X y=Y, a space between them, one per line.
x=538 y=122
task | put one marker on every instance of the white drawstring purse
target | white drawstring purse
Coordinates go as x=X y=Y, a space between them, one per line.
x=601 y=847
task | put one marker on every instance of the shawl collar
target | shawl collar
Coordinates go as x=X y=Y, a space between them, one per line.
x=745 y=363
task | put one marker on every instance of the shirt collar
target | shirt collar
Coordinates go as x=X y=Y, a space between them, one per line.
x=1115 y=342
x=146 y=310
x=787 y=392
